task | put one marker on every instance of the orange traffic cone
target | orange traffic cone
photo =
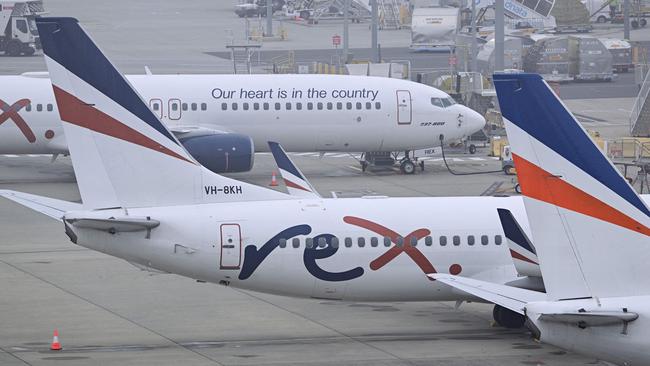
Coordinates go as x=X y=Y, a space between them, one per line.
x=56 y=346
x=274 y=180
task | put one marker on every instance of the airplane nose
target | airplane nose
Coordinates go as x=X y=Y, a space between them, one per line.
x=474 y=120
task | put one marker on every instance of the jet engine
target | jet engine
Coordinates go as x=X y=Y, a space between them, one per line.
x=223 y=152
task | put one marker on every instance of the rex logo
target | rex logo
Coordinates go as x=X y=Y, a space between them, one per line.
x=10 y=112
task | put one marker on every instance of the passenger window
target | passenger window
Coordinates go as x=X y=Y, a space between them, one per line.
x=387 y=241
x=283 y=243
x=456 y=240
x=368 y=105
x=277 y=106
x=266 y=106
x=400 y=241
x=348 y=105
x=437 y=102
x=374 y=242
x=310 y=106
x=174 y=106
x=256 y=106
x=319 y=106
x=50 y=107
x=28 y=108
x=299 y=106
x=470 y=240
x=322 y=242
x=39 y=107
x=377 y=105
x=309 y=242
x=443 y=241
x=348 y=242
x=224 y=106
x=334 y=242
x=497 y=240
x=288 y=106
x=414 y=241
x=361 y=242
x=245 y=105
x=204 y=106
x=234 y=106
x=484 y=240
x=359 y=105
x=428 y=241
x=329 y=106
x=339 y=106
x=194 y=106
x=184 y=106
x=296 y=243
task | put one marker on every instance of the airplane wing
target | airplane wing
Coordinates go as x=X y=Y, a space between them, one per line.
x=509 y=297
x=296 y=183
x=48 y=206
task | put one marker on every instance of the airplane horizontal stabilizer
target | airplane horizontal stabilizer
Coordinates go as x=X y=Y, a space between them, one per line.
x=522 y=251
x=51 y=207
x=509 y=297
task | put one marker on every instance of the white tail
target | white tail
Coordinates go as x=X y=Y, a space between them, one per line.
x=590 y=229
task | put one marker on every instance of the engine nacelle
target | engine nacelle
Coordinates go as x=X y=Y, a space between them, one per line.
x=222 y=153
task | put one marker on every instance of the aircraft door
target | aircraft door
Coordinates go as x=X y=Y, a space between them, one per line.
x=230 y=246
x=404 y=112
x=156 y=107
x=174 y=109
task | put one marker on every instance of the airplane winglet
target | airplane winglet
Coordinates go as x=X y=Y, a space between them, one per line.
x=522 y=250
x=296 y=183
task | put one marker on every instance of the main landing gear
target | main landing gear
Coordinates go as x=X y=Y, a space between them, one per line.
x=407 y=165
x=507 y=318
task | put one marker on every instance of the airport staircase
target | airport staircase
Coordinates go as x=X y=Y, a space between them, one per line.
x=334 y=9
x=640 y=117
x=390 y=14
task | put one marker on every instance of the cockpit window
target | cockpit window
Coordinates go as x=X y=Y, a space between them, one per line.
x=448 y=102
x=437 y=102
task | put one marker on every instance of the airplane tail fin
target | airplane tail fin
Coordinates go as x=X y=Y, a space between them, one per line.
x=589 y=226
x=296 y=182
x=123 y=156
x=522 y=251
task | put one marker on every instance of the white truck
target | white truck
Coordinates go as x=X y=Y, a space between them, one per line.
x=18 y=34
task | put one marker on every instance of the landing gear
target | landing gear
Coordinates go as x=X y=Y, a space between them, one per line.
x=407 y=166
x=508 y=318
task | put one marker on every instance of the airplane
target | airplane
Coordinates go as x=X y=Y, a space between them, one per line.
x=223 y=119
x=590 y=229
x=145 y=199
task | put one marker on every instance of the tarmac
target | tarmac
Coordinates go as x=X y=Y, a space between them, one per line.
x=108 y=312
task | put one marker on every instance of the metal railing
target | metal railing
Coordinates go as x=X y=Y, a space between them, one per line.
x=641 y=99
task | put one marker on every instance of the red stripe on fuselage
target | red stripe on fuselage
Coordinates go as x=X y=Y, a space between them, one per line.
x=77 y=112
x=539 y=184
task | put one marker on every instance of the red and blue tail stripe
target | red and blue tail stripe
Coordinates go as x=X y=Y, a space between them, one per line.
x=539 y=113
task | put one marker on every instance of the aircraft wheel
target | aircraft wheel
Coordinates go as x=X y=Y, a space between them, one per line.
x=635 y=24
x=644 y=22
x=407 y=167
x=518 y=188
x=508 y=318
x=472 y=149
x=13 y=48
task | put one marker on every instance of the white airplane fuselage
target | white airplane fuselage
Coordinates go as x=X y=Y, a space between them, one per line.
x=233 y=244
x=302 y=112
